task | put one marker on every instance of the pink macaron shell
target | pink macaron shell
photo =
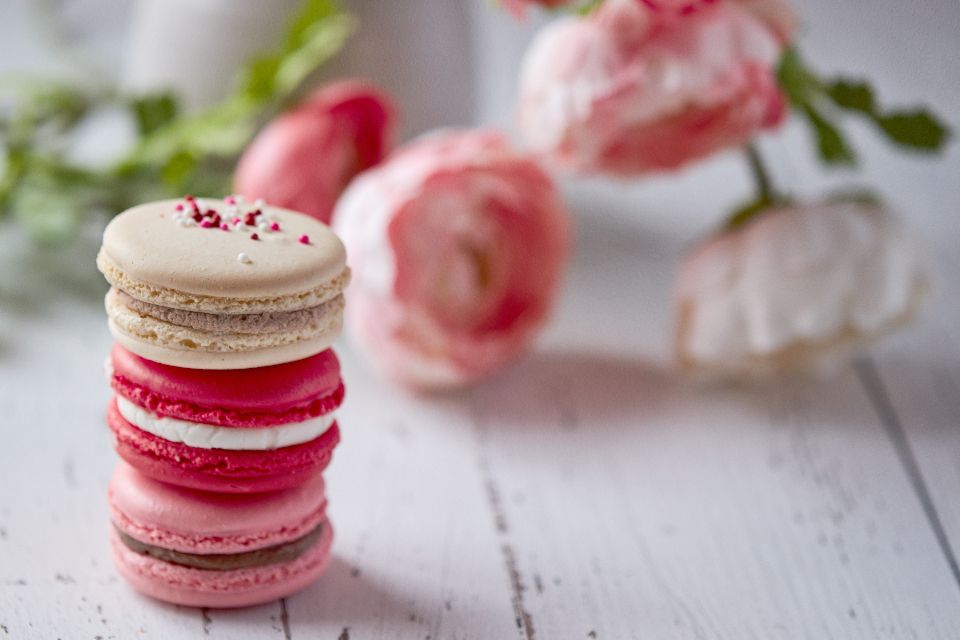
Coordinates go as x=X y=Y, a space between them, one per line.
x=196 y=521
x=220 y=469
x=258 y=397
x=223 y=589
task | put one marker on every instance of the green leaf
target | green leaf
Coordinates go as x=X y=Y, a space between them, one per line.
x=588 y=7
x=831 y=144
x=154 y=111
x=851 y=94
x=317 y=33
x=792 y=76
x=917 y=130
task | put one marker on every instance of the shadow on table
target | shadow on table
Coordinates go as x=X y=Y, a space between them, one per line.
x=571 y=385
x=346 y=600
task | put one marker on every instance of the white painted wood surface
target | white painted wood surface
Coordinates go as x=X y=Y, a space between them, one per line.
x=586 y=492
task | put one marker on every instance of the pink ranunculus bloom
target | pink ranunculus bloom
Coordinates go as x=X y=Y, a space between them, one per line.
x=457 y=245
x=628 y=91
x=306 y=156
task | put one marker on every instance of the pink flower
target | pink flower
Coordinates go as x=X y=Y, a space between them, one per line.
x=305 y=157
x=778 y=14
x=799 y=289
x=631 y=90
x=457 y=246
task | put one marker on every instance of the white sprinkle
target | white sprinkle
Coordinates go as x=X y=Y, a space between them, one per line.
x=259 y=203
x=232 y=210
x=264 y=227
x=244 y=258
x=238 y=198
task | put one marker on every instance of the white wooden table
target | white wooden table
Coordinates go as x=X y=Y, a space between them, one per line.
x=584 y=493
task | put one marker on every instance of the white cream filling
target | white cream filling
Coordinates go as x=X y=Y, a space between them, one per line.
x=207 y=436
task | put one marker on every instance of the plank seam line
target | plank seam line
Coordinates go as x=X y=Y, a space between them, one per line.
x=522 y=616
x=877 y=393
x=285 y=619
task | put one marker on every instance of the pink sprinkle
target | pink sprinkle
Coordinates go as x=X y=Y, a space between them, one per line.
x=304 y=239
x=179 y=207
x=235 y=221
x=206 y=224
x=188 y=198
x=230 y=200
x=275 y=226
x=254 y=236
x=225 y=226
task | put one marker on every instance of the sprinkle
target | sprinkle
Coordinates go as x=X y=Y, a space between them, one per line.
x=206 y=224
x=230 y=200
x=254 y=236
x=250 y=219
x=244 y=258
x=259 y=203
x=275 y=226
x=304 y=239
x=179 y=206
x=263 y=227
x=225 y=226
x=188 y=198
x=235 y=221
x=197 y=216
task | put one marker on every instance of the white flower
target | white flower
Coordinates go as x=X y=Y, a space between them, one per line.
x=797 y=289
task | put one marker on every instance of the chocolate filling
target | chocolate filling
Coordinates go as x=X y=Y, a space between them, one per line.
x=276 y=554
x=250 y=323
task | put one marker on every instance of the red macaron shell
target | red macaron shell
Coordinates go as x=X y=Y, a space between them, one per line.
x=220 y=469
x=259 y=397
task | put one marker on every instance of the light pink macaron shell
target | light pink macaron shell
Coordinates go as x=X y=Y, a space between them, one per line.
x=237 y=588
x=196 y=521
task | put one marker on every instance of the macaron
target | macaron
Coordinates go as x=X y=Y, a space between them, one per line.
x=233 y=431
x=206 y=549
x=222 y=284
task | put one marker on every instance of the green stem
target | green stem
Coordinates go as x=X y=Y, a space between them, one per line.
x=760 y=176
x=766 y=196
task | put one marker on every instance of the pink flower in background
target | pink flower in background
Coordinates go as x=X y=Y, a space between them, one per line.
x=457 y=246
x=631 y=90
x=305 y=157
x=800 y=288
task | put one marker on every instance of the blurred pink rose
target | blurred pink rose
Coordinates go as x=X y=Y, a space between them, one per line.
x=778 y=14
x=628 y=90
x=457 y=246
x=305 y=157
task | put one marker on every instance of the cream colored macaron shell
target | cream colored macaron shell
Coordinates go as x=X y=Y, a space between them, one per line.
x=222 y=284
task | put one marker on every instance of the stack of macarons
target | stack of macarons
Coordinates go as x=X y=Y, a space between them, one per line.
x=225 y=390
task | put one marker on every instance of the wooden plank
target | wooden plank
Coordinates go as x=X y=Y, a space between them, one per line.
x=915 y=379
x=416 y=554
x=637 y=506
